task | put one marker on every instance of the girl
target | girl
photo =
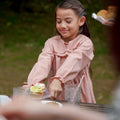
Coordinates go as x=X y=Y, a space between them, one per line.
x=66 y=57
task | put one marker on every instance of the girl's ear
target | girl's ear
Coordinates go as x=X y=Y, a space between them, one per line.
x=82 y=20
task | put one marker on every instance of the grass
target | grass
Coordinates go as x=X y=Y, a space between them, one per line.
x=22 y=37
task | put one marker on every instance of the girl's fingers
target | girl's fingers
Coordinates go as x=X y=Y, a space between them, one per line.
x=51 y=93
x=55 y=88
x=54 y=94
x=25 y=83
x=25 y=86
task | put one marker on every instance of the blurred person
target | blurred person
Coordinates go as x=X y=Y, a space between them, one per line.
x=114 y=43
x=23 y=108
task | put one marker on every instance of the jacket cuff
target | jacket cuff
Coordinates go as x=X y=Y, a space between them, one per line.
x=59 y=78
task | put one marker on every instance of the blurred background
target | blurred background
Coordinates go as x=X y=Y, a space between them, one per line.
x=24 y=27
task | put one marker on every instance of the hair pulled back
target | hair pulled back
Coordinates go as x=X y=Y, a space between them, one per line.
x=79 y=10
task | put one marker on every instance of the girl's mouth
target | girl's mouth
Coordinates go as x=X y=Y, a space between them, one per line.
x=64 y=31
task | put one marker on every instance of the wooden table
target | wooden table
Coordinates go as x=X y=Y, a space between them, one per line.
x=104 y=108
x=97 y=107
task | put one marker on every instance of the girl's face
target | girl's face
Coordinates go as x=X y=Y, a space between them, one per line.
x=67 y=23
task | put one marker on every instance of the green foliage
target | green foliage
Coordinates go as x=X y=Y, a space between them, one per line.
x=31 y=5
x=22 y=36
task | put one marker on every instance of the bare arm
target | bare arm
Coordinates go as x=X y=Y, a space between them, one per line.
x=26 y=109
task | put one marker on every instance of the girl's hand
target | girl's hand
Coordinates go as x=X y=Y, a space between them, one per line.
x=108 y=23
x=25 y=85
x=55 y=89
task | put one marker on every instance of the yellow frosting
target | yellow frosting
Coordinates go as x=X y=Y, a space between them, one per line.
x=36 y=89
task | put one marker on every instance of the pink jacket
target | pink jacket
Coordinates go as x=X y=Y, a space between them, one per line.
x=66 y=61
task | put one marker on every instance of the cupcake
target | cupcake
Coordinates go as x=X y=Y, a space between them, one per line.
x=38 y=90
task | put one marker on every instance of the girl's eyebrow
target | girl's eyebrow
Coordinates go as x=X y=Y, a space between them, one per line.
x=68 y=18
x=57 y=18
x=65 y=18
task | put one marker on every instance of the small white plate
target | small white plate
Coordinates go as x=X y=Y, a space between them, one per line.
x=50 y=102
x=4 y=99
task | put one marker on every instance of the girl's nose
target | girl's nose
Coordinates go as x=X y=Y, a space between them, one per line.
x=63 y=25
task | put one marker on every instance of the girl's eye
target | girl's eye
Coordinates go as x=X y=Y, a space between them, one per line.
x=68 y=21
x=58 y=22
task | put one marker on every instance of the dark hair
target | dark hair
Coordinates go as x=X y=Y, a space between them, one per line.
x=79 y=10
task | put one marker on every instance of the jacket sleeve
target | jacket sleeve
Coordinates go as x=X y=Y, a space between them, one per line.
x=42 y=67
x=75 y=62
